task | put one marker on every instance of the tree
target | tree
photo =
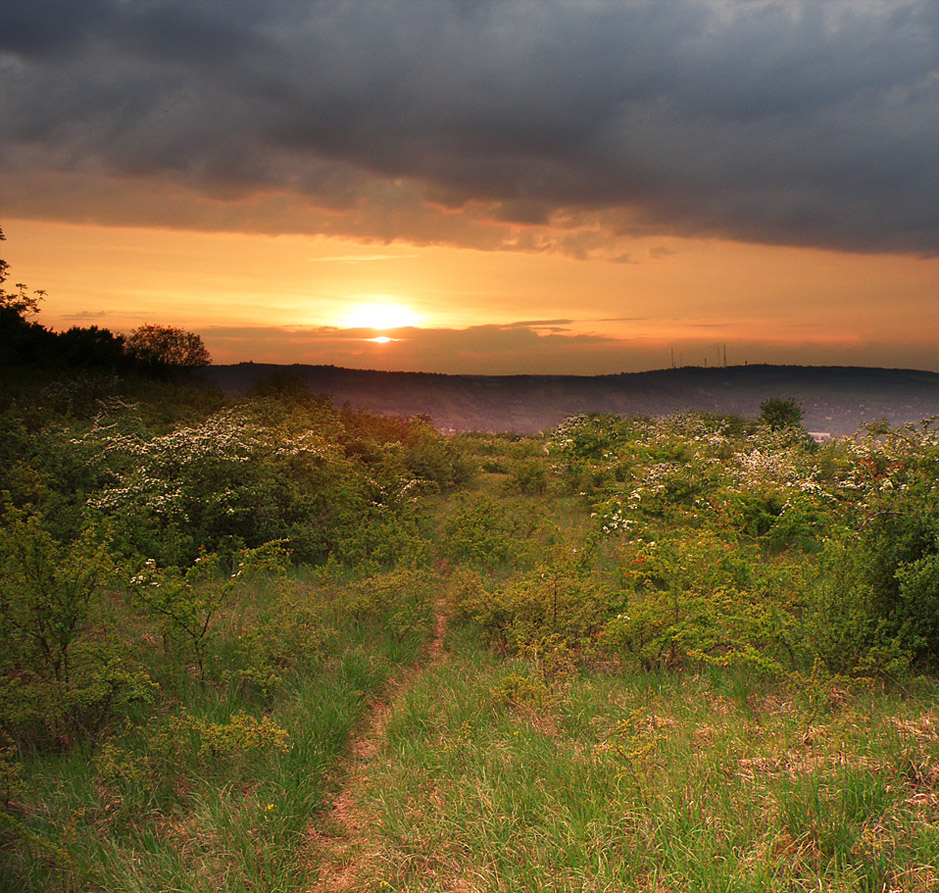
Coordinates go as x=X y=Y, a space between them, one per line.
x=92 y=346
x=166 y=347
x=18 y=304
x=22 y=342
x=779 y=413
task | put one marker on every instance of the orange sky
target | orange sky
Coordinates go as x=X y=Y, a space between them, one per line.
x=290 y=299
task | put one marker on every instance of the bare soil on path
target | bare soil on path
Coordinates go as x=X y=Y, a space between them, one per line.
x=338 y=838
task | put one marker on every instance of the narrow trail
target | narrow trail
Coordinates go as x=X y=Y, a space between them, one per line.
x=340 y=850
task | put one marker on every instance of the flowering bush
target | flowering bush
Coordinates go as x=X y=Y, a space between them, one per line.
x=260 y=471
x=760 y=492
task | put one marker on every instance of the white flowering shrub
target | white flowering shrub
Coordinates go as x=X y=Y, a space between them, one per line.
x=329 y=482
x=765 y=499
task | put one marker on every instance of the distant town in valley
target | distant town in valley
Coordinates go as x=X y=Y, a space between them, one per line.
x=837 y=400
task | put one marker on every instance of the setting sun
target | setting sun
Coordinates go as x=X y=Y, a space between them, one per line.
x=379 y=315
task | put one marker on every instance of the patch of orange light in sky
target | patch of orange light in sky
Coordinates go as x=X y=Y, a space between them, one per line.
x=672 y=288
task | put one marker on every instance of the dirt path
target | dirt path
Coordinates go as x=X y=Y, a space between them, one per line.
x=340 y=852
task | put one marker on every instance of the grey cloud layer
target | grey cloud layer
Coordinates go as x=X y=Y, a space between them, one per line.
x=792 y=123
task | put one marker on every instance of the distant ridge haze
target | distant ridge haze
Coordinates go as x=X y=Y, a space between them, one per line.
x=836 y=399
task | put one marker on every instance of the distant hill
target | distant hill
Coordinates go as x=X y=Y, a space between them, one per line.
x=836 y=399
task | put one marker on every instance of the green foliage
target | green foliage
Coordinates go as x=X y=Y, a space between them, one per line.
x=335 y=485
x=520 y=690
x=47 y=593
x=529 y=477
x=779 y=413
x=189 y=742
x=866 y=509
x=187 y=601
x=219 y=780
x=400 y=600
x=898 y=535
x=482 y=532
x=61 y=678
x=602 y=581
x=557 y=606
x=11 y=773
x=293 y=637
x=430 y=457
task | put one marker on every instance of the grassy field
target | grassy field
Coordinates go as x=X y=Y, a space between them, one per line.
x=492 y=778
x=218 y=788
x=280 y=647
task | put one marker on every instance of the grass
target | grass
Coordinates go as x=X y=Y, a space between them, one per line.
x=606 y=781
x=221 y=820
x=495 y=776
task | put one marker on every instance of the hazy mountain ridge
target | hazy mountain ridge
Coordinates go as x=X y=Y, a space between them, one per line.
x=836 y=399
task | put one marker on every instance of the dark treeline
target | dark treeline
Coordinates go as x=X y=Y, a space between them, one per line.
x=27 y=344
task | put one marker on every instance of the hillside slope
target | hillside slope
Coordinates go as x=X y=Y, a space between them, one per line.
x=836 y=399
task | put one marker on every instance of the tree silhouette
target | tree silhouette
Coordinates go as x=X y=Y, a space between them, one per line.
x=19 y=303
x=92 y=346
x=21 y=340
x=27 y=344
x=167 y=347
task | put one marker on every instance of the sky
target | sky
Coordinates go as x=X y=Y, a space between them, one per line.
x=475 y=186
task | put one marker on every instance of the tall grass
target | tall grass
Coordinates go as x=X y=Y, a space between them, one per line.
x=232 y=817
x=650 y=782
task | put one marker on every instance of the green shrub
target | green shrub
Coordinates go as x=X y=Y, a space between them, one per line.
x=898 y=535
x=62 y=678
x=183 y=747
x=400 y=600
x=557 y=601
x=529 y=477
x=481 y=532
x=779 y=413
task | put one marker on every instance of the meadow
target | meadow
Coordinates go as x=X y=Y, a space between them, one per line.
x=267 y=644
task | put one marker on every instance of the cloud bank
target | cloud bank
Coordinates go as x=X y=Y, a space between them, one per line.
x=560 y=126
x=534 y=348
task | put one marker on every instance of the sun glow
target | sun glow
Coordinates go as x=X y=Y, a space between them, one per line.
x=379 y=315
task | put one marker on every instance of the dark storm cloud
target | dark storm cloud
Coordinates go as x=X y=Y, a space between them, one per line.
x=792 y=123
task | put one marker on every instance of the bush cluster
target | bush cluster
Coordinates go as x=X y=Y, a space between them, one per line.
x=745 y=541
x=130 y=536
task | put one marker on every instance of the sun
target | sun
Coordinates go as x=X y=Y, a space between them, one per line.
x=379 y=315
